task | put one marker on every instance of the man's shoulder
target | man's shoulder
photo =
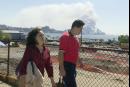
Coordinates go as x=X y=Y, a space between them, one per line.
x=65 y=35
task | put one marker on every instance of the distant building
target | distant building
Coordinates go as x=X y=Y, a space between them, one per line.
x=92 y=40
x=15 y=35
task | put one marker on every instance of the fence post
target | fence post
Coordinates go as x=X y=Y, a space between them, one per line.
x=8 y=60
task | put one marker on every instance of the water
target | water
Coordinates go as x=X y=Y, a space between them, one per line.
x=104 y=37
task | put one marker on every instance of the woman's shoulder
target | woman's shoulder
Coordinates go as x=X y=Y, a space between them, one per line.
x=30 y=47
x=47 y=49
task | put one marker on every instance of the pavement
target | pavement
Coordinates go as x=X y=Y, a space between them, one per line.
x=2 y=84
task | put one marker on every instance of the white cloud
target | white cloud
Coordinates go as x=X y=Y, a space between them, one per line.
x=58 y=16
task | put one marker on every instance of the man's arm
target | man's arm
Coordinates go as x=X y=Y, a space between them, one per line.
x=62 y=50
x=61 y=62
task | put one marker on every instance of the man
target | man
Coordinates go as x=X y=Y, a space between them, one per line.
x=69 y=53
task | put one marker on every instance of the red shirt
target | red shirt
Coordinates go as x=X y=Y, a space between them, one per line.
x=70 y=45
x=42 y=60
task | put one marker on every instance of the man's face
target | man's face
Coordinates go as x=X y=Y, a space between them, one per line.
x=76 y=30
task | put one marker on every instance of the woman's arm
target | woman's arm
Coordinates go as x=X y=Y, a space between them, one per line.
x=49 y=69
x=48 y=64
x=24 y=61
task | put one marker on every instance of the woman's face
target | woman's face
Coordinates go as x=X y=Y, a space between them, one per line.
x=40 y=38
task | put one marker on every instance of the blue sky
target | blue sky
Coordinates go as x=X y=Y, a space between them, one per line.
x=112 y=16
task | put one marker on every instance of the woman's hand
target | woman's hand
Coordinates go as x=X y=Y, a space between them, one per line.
x=53 y=82
x=21 y=82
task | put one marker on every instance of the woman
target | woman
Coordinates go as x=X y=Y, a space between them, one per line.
x=40 y=54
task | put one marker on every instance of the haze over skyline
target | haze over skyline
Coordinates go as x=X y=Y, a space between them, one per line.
x=111 y=16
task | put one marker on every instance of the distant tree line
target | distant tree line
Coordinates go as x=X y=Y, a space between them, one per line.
x=123 y=39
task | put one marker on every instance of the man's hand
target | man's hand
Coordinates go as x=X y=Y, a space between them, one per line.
x=62 y=72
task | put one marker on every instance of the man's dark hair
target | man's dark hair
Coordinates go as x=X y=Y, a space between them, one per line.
x=31 y=39
x=78 y=23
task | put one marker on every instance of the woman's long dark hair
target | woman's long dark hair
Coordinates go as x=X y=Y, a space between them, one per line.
x=31 y=38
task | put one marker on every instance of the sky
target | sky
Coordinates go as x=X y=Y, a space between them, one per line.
x=110 y=16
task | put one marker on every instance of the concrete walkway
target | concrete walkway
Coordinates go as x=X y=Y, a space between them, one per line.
x=2 y=84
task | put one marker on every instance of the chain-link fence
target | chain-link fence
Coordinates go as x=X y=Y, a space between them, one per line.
x=98 y=67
